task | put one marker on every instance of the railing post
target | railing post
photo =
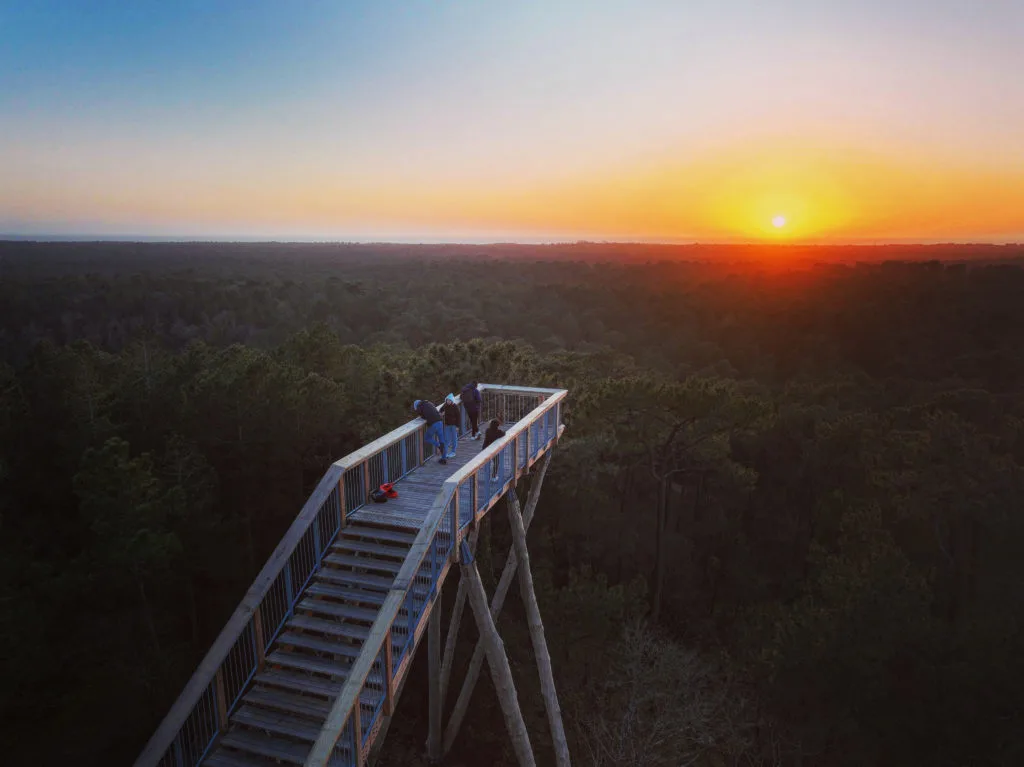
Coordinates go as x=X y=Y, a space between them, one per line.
x=357 y=733
x=405 y=457
x=366 y=481
x=384 y=460
x=342 y=506
x=389 y=676
x=288 y=584
x=257 y=637
x=221 y=700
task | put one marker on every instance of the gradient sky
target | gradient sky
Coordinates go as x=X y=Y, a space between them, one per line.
x=703 y=119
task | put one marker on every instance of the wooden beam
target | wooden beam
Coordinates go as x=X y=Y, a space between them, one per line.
x=501 y=672
x=497 y=602
x=453 y=625
x=540 y=645
x=434 y=682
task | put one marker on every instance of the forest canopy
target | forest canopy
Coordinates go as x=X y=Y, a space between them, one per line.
x=784 y=527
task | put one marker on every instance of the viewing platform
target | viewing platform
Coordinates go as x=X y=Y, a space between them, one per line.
x=309 y=668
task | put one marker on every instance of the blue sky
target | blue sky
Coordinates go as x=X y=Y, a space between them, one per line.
x=333 y=118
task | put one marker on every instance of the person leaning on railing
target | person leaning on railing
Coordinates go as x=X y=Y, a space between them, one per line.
x=434 y=432
x=493 y=434
x=452 y=421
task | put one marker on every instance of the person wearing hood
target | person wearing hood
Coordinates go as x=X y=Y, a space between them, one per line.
x=452 y=421
x=471 y=401
x=434 y=432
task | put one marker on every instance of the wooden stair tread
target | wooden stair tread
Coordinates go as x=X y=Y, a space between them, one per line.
x=278 y=678
x=334 y=591
x=309 y=706
x=338 y=610
x=253 y=742
x=370 y=547
x=378 y=533
x=354 y=631
x=313 y=708
x=342 y=577
x=367 y=563
x=315 y=643
x=278 y=723
x=309 y=664
x=224 y=758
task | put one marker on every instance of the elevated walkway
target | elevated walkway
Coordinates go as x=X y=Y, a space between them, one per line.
x=319 y=648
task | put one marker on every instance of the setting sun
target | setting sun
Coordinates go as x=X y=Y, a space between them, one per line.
x=779 y=221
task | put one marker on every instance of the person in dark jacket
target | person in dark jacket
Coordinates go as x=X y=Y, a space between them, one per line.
x=452 y=421
x=494 y=433
x=471 y=401
x=434 y=432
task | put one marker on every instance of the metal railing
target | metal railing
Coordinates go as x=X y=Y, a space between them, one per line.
x=201 y=712
x=356 y=715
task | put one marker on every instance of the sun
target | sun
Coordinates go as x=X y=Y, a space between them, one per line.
x=778 y=221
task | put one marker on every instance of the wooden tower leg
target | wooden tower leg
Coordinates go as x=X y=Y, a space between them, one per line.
x=434 y=664
x=497 y=602
x=453 y=626
x=501 y=672
x=540 y=645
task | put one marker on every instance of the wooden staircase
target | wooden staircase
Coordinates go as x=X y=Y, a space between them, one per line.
x=280 y=716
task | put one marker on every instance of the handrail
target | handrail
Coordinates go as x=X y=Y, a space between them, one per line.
x=377 y=649
x=201 y=711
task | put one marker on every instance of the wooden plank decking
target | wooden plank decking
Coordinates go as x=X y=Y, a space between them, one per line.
x=417 y=491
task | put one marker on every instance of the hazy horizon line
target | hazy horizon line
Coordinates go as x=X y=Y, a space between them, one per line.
x=484 y=241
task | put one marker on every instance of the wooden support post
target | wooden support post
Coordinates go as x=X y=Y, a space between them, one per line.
x=540 y=645
x=501 y=672
x=434 y=664
x=497 y=602
x=366 y=481
x=453 y=625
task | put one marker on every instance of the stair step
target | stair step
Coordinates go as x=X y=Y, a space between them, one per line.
x=369 y=547
x=353 y=631
x=279 y=678
x=277 y=723
x=252 y=742
x=368 y=563
x=333 y=591
x=315 y=643
x=308 y=663
x=313 y=708
x=224 y=758
x=378 y=533
x=334 y=609
x=347 y=577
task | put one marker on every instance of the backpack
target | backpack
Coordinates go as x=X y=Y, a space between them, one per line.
x=379 y=496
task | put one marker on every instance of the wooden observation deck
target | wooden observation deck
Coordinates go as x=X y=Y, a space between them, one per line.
x=309 y=668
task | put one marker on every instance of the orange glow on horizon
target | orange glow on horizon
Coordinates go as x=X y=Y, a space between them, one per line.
x=826 y=193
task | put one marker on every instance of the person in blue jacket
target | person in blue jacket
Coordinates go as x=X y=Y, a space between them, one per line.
x=435 y=432
x=471 y=401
